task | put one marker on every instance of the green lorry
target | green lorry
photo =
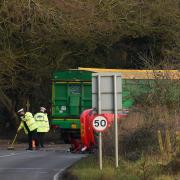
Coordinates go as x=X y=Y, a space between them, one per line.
x=71 y=95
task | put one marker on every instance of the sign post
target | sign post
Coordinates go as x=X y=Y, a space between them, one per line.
x=115 y=122
x=107 y=98
x=99 y=125
x=99 y=112
x=27 y=105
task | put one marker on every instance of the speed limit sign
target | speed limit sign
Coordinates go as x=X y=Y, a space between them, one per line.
x=99 y=123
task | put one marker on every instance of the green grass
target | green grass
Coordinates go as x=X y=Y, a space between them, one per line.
x=147 y=168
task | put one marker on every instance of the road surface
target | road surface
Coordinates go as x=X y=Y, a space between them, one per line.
x=45 y=164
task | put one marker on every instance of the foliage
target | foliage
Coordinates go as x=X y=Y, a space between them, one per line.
x=162 y=92
x=28 y=53
x=118 y=32
x=38 y=37
x=146 y=168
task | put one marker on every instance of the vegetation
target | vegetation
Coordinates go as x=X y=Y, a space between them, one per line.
x=140 y=157
x=146 y=168
x=38 y=37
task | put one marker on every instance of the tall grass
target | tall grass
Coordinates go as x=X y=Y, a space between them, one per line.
x=146 y=168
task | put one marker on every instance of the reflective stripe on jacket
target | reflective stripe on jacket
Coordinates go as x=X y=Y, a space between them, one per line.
x=42 y=122
x=30 y=122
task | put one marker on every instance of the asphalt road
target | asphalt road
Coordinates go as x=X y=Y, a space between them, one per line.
x=35 y=165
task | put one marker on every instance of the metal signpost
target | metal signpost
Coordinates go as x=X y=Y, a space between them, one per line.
x=27 y=105
x=106 y=98
x=100 y=124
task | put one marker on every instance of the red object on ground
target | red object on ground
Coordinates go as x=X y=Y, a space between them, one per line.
x=75 y=145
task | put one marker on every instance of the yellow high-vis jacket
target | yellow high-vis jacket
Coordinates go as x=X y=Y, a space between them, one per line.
x=29 y=120
x=42 y=122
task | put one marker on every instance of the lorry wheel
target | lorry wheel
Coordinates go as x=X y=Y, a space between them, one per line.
x=65 y=137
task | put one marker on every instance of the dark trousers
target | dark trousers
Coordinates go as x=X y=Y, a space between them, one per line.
x=41 y=138
x=32 y=135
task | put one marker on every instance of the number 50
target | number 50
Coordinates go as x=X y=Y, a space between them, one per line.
x=101 y=123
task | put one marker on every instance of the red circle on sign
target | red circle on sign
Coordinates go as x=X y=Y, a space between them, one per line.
x=100 y=123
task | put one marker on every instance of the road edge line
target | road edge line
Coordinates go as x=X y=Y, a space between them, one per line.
x=56 y=176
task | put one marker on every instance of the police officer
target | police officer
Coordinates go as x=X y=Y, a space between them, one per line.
x=43 y=125
x=29 y=125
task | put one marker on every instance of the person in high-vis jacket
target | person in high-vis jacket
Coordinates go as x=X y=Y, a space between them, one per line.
x=43 y=125
x=30 y=126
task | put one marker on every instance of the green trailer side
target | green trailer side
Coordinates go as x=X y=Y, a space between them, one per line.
x=71 y=95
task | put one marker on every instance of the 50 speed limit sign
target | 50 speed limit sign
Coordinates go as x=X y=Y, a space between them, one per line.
x=99 y=123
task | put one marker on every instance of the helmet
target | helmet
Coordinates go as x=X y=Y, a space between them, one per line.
x=42 y=109
x=21 y=111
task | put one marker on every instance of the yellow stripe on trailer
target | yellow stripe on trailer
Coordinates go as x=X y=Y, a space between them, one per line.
x=139 y=74
x=72 y=82
x=62 y=119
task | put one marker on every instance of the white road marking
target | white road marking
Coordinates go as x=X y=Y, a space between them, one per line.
x=56 y=176
x=24 y=169
x=7 y=155
x=43 y=172
x=12 y=154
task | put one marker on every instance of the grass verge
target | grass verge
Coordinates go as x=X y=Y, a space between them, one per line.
x=146 y=168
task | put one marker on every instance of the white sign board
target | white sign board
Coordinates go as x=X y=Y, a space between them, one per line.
x=100 y=123
x=103 y=92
